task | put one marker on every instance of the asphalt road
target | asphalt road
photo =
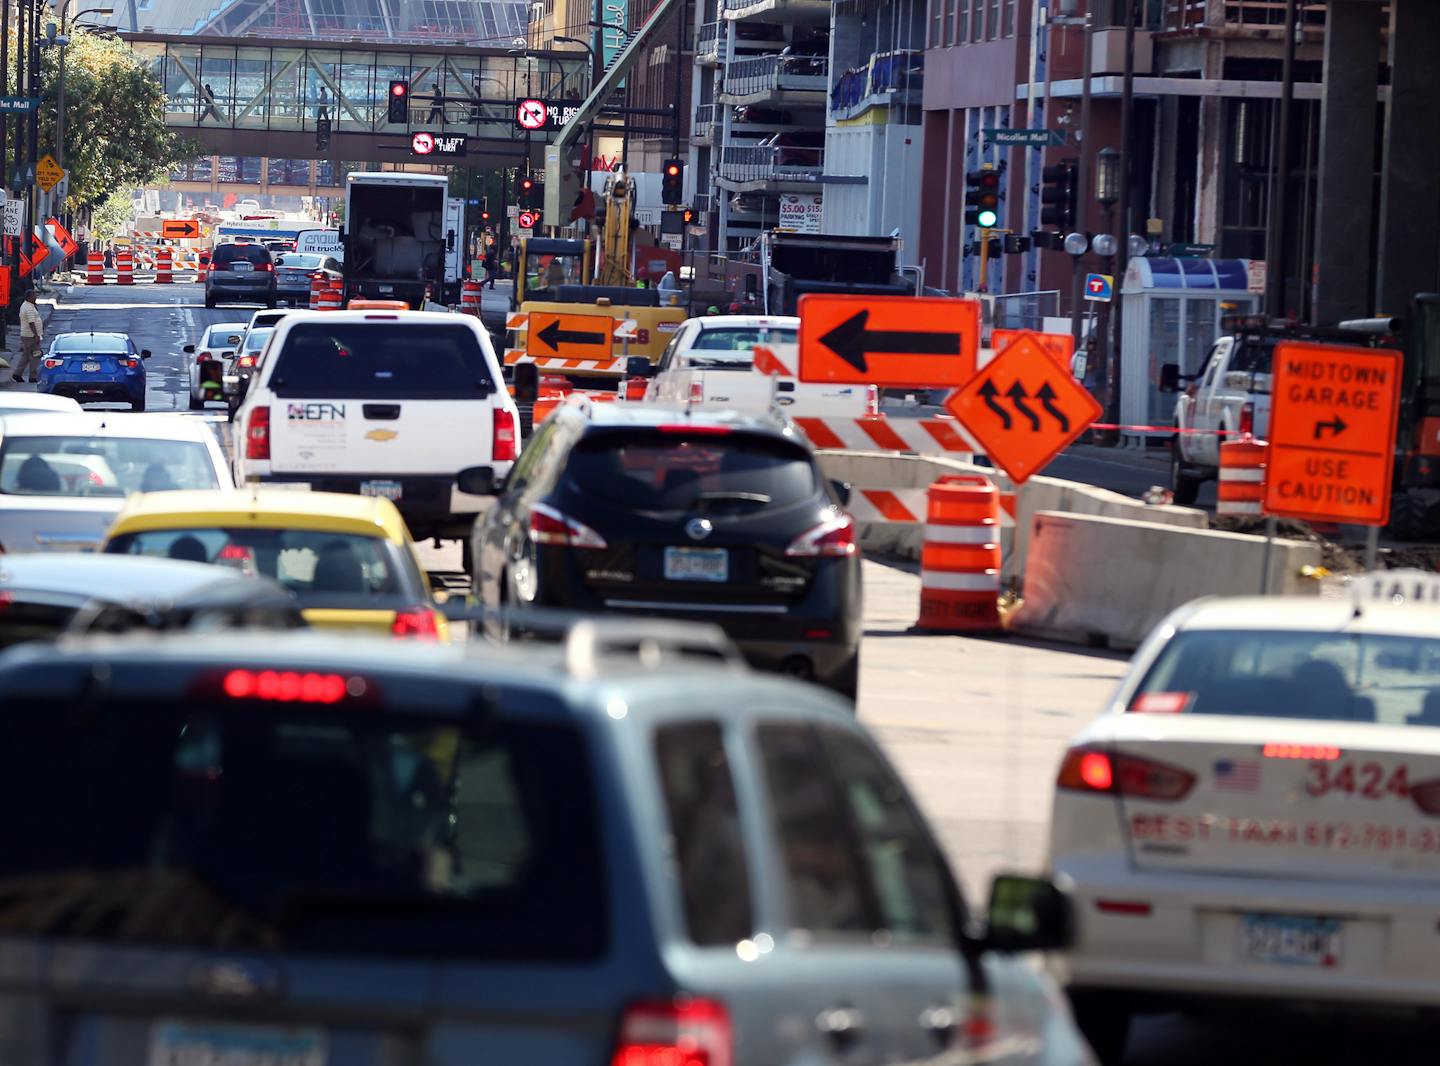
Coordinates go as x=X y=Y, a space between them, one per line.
x=976 y=725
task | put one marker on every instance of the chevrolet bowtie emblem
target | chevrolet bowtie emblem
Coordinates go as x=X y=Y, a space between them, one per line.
x=381 y=434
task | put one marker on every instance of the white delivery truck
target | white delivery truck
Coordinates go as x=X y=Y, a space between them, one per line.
x=399 y=233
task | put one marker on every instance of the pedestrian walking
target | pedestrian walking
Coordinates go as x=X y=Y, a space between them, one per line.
x=109 y=255
x=492 y=264
x=207 y=105
x=32 y=329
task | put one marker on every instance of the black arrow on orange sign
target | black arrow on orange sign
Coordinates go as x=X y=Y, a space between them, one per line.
x=1336 y=426
x=854 y=343
x=1046 y=396
x=553 y=336
x=1017 y=395
x=988 y=392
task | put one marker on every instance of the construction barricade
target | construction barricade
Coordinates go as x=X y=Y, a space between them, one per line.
x=95 y=269
x=318 y=285
x=164 y=266
x=960 y=559
x=1241 y=488
x=470 y=297
x=331 y=298
x=124 y=267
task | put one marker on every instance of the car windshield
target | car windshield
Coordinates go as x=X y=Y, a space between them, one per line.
x=251 y=253
x=256 y=338
x=222 y=820
x=671 y=472
x=1352 y=677
x=1253 y=357
x=89 y=343
x=102 y=466
x=223 y=336
x=301 y=261
x=381 y=360
x=741 y=340
x=321 y=568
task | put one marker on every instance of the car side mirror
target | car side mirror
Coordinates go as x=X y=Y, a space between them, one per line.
x=189 y=349
x=145 y=353
x=1027 y=914
x=842 y=490
x=639 y=366
x=526 y=377
x=1170 y=377
x=476 y=481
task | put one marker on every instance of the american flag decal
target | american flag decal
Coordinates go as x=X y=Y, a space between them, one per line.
x=1237 y=775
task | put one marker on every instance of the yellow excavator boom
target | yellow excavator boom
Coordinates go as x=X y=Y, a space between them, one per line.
x=617 y=239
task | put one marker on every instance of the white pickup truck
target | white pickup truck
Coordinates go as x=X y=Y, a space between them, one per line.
x=1228 y=397
x=710 y=362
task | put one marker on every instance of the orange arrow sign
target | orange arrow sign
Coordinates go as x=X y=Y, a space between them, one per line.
x=1332 y=433
x=1023 y=408
x=898 y=341
x=179 y=229
x=573 y=336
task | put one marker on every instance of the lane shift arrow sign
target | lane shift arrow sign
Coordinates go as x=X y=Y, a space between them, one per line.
x=853 y=342
x=553 y=336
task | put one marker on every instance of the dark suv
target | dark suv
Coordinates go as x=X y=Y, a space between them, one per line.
x=710 y=516
x=240 y=273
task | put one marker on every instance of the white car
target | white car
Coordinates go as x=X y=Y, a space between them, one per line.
x=63 y=478
x=1257 y=815
x=382 y=403
x=208 y=358
x=710 y=362
x=23 y=403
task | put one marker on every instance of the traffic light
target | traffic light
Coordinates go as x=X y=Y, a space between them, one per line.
x=1057 y=195
x=672 y=182
x=322 y=134
x=687 y=216
x=399 y=102
x=484 y=216
x=524 y=191
x=982 y=198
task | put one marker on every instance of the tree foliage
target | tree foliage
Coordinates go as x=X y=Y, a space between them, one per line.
x=115 y=132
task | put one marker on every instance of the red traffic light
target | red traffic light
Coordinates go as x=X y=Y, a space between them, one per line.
x=484 y=216
x=399 y=88
x=526 y=184
x=673 y=170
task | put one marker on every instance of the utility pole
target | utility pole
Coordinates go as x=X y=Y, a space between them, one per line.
x=1276 y=248
x=1122 y=239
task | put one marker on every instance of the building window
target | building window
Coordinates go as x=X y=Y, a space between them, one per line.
x=1007 y=28
x=993 y=29
x=962 y=20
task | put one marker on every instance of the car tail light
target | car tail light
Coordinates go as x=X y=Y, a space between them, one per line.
x=245 y=361
x=266 y=267
x=1134 y=908
x=697 y=392
x=1307 y=752
x=872 y=399
x=203 y=357
x=549 y=526
x=289 y=686
x=635 y=388
x=1426 y=796
x=317 y=275
x=257 y=434
x=130 y=363
x=687 y=1032
x=834 y=537
x=1088 y=770
x=503 y=442
x=418 y=623
x=51 y=364
x=1247 y=419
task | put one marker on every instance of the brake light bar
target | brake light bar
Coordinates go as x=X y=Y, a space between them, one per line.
x=690 y=430
x=1307 y=752
x=1092 y=770
x=1133 y=907
x=290 y=686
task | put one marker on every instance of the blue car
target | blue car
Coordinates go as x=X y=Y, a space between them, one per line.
x=95 y=368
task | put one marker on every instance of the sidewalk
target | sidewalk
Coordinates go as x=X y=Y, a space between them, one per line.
x=50 y=296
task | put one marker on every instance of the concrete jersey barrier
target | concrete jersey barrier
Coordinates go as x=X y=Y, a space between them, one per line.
x=1093 y=578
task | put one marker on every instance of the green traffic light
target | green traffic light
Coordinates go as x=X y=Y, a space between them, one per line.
x=986 y=219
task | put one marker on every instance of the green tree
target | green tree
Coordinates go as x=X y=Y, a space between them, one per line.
x=115 y=132
x=110 y=217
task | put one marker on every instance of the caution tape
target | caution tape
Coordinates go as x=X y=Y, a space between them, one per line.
x=1165 y=429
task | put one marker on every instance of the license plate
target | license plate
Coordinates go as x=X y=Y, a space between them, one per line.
x=90 y=368
x=176 y=1043
x=697 y=564
x=387 y=289
x=1290 y=941
x=388 y=490
x=242 y=266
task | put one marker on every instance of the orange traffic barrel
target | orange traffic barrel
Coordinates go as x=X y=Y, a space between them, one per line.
x=331 y=298
x=318 y=285
x=1241 y=488
x=960 y=559
x=95 y=269
x=545 y=402
x=470 y=297
x=124 y=267
x=164 y=266
x=202 y=266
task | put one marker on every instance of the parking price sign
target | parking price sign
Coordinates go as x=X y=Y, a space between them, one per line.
x=1332 y=433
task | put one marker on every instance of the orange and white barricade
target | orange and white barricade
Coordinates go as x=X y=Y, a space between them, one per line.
x=124 y=267
x=331 y=298
x=317 y=290
x=95 y=269
x=960 y=559
x=1241 y=488
x=545 y=402
x=470 y=297
x=164 y=266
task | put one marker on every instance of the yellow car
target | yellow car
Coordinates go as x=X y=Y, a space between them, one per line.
x=349 y=560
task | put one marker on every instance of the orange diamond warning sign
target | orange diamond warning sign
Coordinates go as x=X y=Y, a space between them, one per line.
x=1023 y=408
x=1332 y=432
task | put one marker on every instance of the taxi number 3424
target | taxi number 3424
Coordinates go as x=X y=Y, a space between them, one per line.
x=1368 y=780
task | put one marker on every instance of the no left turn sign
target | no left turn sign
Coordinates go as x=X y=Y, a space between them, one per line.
x=530 y=114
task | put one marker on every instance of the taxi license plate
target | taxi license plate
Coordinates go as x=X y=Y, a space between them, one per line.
x=387 y=490
x=697 y=564
x=90 y=368
x=1290 y=941
x=177 y=1043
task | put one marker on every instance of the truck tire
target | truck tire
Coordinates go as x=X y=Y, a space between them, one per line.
x=1408 y=511
x=1184 y=485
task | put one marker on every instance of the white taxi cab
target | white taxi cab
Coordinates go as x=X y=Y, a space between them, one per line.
x=1257 y=814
